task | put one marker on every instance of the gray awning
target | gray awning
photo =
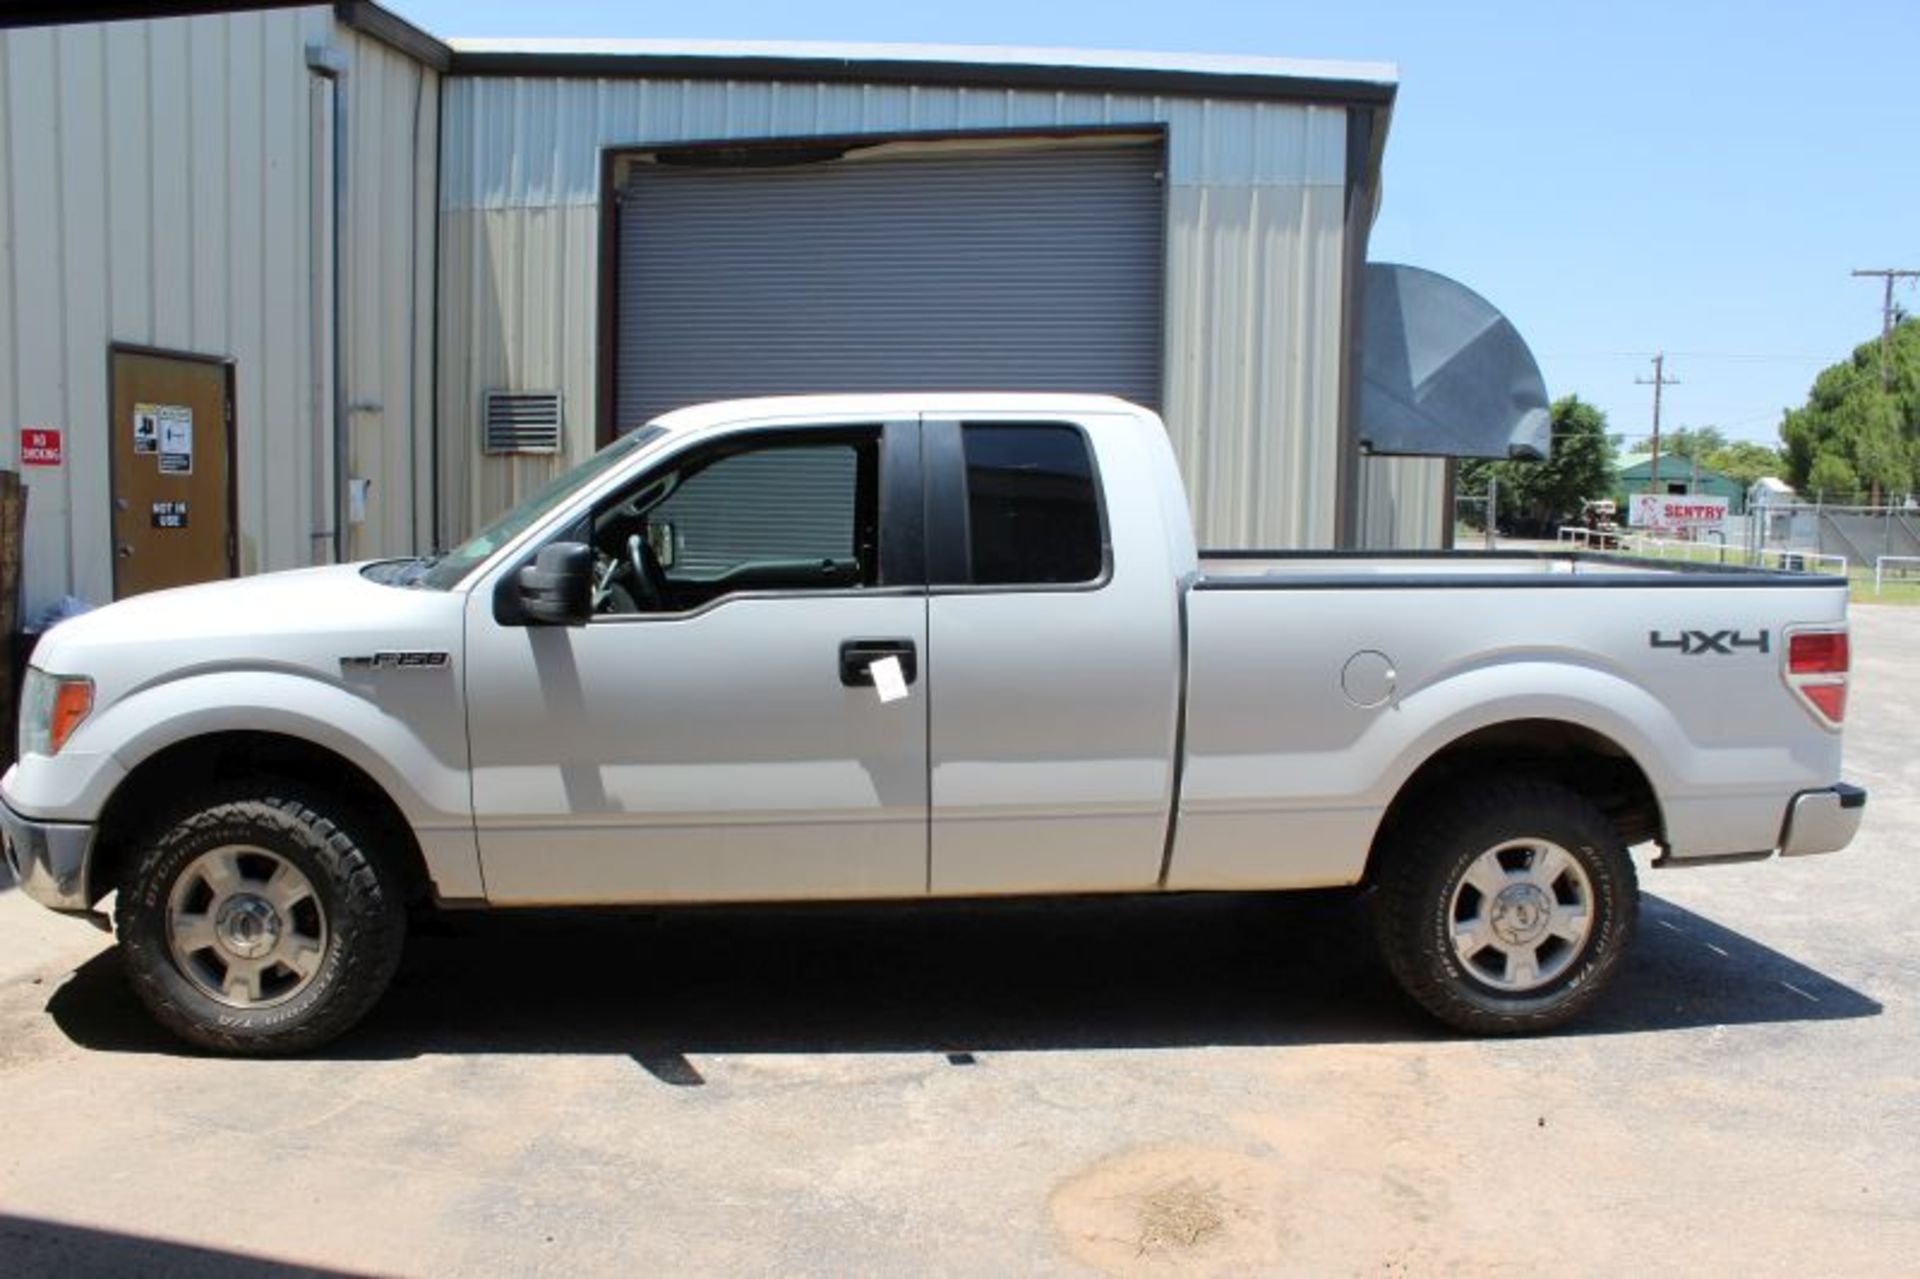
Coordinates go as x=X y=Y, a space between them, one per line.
x=1443 y=374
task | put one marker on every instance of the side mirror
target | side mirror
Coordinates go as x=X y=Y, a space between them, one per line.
x=557 y=588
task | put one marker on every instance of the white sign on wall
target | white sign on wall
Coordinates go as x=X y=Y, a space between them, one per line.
x=176 y=439
x=1676 y=510
x=165 y=430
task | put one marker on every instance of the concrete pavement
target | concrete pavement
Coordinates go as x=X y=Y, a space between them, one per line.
x=1197 y=1086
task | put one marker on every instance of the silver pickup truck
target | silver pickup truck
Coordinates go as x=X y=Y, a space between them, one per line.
x=899 y=647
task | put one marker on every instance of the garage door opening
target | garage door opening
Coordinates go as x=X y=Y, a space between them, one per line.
x=959 y=266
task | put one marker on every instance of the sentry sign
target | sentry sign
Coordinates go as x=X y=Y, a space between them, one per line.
x=39 y=446
x=1676 y=510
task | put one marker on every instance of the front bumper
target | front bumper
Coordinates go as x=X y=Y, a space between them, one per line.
x=1822 y=821
x=50 y=859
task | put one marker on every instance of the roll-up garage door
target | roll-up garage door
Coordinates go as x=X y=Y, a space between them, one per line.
x=1023 y=270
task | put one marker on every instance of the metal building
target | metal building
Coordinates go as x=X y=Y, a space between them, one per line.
x=170 y=189
x=390 y=284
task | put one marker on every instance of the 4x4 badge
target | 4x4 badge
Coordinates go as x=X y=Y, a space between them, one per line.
x=1694 y=643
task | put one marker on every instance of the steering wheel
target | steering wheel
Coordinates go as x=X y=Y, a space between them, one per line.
x=649 y=579
x=609 y=596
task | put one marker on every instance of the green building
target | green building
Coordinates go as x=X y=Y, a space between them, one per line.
x=1677 y=475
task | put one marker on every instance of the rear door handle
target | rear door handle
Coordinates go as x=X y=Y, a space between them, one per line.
x=857 y=657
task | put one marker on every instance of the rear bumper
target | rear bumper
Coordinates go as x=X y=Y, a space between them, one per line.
x=1822 y=821
x=50 y=859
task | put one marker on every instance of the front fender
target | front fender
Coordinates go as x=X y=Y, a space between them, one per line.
x=425 y=778
x=423 y=772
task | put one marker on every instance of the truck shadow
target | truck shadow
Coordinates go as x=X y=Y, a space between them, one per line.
x=31 y=1247
x=960 y=979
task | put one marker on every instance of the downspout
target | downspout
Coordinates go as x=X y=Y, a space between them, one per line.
x=435 y=536
x=413 y=318
x=331 y=65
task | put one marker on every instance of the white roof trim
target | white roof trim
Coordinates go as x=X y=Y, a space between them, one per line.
x=878 y=406
x=1383 y=73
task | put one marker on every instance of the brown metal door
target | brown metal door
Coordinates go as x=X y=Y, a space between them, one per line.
x=172 y=470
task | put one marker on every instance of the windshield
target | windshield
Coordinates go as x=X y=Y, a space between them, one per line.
x=443 y=573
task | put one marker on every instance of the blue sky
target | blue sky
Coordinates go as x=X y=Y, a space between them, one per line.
x=1618 y=178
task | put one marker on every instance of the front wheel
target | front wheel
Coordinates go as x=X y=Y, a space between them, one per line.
x=1507 y=908
x=257 y=922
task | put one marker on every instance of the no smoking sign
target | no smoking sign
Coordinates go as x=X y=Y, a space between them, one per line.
x=39 y=446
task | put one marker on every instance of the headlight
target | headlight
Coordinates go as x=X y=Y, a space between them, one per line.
x=51 y=707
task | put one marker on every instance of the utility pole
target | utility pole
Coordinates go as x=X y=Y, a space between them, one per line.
x=1657 y=381
x=1493 y=510
x=1889 y=274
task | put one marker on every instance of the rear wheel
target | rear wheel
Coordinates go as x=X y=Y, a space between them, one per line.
x=259 y=922
x=1506 y=909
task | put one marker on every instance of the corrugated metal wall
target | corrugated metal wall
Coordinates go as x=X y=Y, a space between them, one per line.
x=158 y=184
x=393 y=128
x=1403 y=503
x=163 y=183
x=1255 y=244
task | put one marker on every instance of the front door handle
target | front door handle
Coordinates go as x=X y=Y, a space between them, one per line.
x=857 y=657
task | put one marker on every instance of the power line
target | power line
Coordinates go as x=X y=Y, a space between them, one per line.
x=1889 y=274
x=1658 y=382
x=1770 y=416
x=1750 y=357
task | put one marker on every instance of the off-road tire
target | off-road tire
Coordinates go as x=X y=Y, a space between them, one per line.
x=1431 y=850
x=365 y=918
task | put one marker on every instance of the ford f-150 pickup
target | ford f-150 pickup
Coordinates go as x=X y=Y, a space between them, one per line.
x=899 y=647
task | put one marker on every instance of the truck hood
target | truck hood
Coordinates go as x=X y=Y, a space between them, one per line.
x=305 y=620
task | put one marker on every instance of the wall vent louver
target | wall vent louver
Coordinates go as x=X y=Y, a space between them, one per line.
x=522 y=422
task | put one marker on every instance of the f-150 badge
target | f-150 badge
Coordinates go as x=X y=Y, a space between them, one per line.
x=397 y=659
x=1695 y=643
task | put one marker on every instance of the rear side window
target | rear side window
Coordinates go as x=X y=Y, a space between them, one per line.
x=1033 y=513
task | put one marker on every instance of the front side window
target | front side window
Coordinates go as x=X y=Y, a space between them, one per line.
x=781 y=511
x=1033 y=512
x=444 y=572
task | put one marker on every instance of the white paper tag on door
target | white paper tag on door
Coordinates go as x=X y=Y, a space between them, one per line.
x=888 y=679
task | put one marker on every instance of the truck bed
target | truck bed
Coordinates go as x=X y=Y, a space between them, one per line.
x=1317 y=681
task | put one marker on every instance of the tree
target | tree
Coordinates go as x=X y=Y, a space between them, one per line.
x=1548 y=493
x=1862 y=421
x=1740 y=460
x=1831 y=477
x=1693 y=442
x=1744 y=461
